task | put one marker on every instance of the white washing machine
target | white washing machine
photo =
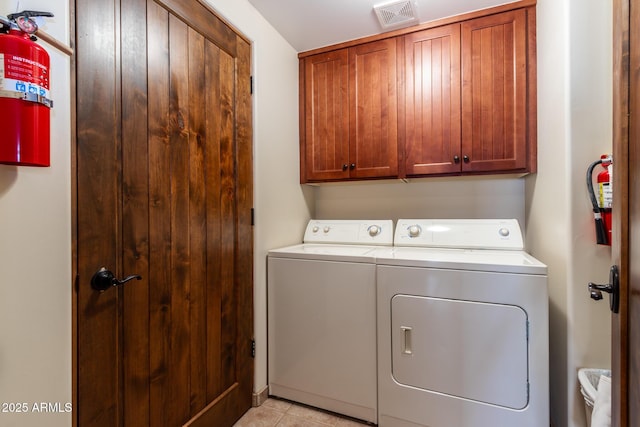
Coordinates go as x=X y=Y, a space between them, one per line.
x=322 y=316
x=462 y=327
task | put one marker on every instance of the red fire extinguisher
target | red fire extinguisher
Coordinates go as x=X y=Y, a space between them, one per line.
x=24 y=92
x=602 y=203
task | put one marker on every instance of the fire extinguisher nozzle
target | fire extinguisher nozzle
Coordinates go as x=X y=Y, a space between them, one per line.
x=601 y=233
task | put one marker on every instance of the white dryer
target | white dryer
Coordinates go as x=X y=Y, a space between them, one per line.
x=322 y=317
x=462 y=327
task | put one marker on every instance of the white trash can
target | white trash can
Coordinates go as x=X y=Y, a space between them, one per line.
x=589 y=379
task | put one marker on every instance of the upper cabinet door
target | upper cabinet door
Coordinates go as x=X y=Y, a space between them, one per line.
x=374 y=110
x=494 y=93
x=326 y=115
x=432 y=101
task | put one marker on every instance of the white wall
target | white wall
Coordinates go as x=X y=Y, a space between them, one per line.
x=591 y=77
x=547 y=191
x=574 y=128
x=457 y=197
x=35 y=256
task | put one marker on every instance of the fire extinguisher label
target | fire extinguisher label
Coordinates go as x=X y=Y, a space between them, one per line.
x=605 y=194
x=23 y=75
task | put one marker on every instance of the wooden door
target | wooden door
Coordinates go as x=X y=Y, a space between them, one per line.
x=325 y=147
x=625 y=346
x=373 y=95
x=164 y=190
x=494 y=93
x=432 y=101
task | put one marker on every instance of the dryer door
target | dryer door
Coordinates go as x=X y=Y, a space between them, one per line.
x=470 y=350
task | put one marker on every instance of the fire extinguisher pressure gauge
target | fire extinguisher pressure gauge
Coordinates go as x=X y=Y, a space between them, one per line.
x=27 y=25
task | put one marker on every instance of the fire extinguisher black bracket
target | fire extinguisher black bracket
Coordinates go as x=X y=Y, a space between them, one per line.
x=29 y=14
x=602 y=237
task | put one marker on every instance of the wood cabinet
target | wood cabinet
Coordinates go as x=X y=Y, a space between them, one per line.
x=449 y=98
x=325 y=135
x=467 y=105
x=349 y=110
x=495 y=107
x=432 y=101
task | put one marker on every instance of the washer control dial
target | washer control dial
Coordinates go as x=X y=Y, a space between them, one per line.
x=414 y=230
x=326 y=229
x=315 y=229
x=374 y=230
x=504 y=232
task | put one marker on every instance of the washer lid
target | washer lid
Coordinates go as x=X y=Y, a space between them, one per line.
x=463 y=259
x=502 y=234
x=327 y=252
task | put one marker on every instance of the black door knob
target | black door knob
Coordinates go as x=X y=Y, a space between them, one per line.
x=612 y=288
x=104 y=279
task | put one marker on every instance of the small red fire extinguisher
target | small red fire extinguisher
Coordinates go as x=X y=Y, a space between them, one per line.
x=24 y=92
x=603 y=202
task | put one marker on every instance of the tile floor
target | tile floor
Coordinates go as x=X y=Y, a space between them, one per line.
x=282 y=413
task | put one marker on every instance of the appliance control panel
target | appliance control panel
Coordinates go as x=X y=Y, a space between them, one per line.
x=350 y=232
x=460 y=233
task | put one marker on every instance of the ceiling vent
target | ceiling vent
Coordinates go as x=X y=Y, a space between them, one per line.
x=397 y=14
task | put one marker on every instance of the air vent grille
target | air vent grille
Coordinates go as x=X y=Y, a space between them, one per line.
x=397 y=14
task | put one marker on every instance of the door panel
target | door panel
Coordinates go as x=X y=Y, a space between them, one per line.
x=373 y=110
x=164 y=187
x=326 y=105
x=494 y=92
x=433 y=101
x=429 y=357
x=135 y=237
x=97 y=165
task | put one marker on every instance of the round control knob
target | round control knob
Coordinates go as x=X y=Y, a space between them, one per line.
x=326 y=229
x=414 y=230
x=315 y=229
x=504 y=232
x=374 y=230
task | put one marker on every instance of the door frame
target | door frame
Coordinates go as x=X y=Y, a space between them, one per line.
x=626 y=134
x=74 y=213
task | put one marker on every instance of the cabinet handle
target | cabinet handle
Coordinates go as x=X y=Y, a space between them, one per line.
x=456 y=159
x=466 y=159
x=344 y=167
x=353 y=166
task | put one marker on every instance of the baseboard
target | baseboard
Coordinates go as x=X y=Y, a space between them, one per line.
x=260 y=397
